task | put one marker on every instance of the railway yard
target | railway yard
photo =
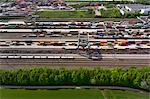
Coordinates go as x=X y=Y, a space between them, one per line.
x=74 y=43
x=74 y=49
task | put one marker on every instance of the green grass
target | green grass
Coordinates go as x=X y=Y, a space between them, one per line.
x=70 y=94
x=111 y=13
x=65 y=14
x=118 y=94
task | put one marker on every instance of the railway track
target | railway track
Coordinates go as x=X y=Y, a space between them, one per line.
x=27 y=63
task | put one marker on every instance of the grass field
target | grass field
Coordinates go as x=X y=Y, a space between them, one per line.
x=65 y=14
x=71 y=94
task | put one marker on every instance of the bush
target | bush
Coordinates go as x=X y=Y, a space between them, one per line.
x=110 y=13
x=132 y=15
x=132 y=77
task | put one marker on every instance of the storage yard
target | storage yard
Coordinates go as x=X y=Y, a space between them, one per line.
x=74 y=44
x=62 y=32
x=74 y=49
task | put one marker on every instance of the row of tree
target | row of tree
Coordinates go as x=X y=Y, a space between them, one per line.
x=132 y=77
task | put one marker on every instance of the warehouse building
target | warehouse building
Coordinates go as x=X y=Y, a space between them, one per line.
x=143 y=9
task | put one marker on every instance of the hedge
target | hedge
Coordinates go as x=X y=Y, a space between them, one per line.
x=132 y=77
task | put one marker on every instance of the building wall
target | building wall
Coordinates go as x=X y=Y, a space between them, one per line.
x=145 y=11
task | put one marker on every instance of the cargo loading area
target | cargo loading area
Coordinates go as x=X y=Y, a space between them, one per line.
x=74 y=43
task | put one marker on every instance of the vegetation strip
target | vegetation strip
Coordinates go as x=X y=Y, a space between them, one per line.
x=132 y=77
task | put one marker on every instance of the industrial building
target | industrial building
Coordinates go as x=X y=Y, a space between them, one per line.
x=132 y=8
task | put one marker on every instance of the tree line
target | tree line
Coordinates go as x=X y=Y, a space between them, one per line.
x=132 y=77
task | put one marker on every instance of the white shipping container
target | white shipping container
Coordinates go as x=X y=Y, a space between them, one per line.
x=23 y=56
x=57 y=57
x=70 y=57
x=43 y=56
x=3 y=56
x=10 y=56
x=29 y=56
x=37 y=57
x=51 y=57
x=64 y=57
x=16 y=56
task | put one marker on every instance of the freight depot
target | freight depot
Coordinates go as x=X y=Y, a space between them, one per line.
x=72 y=33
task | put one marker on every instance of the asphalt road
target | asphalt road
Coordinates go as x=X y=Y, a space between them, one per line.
x=73 y=87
